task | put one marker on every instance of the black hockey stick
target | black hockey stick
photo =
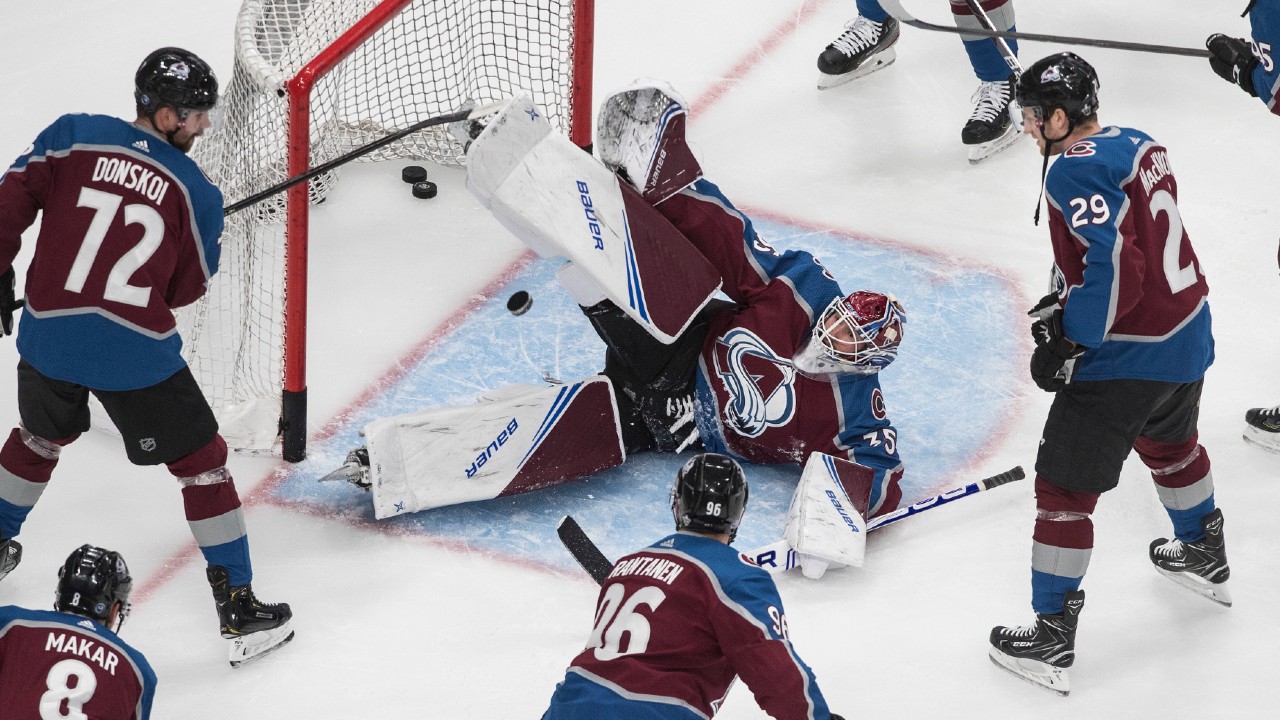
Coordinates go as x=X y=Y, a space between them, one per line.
x=452 y=117
x=894 y=8
x=584 y=550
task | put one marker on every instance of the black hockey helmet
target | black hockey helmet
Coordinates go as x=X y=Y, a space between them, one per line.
x=91 y=582
x=710 y=495
x=177 y=78
x=1064 y=81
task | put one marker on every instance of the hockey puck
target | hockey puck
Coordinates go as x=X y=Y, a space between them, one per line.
x=425 y=189
x=413 y=174
x=519 y=302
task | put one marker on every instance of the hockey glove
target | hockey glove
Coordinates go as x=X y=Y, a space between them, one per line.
x=1044 y=308
x=7 y=302
x=1233 y=60
x=1055 y=356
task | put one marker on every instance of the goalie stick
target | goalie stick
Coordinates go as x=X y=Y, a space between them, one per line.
x=457 y=116
x=588 y=555
x=894 y=8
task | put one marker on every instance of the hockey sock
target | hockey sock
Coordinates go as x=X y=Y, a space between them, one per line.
x=26 y=463
x=1184 y=482
x=1062 y=544
x=988 y=64
x=213 y=509
x=871 y=10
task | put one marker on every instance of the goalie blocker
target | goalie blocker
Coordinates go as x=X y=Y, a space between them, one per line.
x=515 y=440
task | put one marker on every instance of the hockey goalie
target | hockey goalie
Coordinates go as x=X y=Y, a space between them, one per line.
x=780 y=368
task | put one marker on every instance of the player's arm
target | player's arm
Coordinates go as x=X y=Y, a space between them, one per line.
x=22 y=191
x=752 y=629
x=1092 y=202
x=748 y=265
x=199 y=246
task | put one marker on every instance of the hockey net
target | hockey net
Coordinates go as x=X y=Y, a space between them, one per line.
x=313 y=80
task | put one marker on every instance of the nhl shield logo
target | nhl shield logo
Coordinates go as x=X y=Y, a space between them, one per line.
x=147 y=444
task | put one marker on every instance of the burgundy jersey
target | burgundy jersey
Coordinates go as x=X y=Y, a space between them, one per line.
x=752 y=404
x=129 y=231
x=61 y=665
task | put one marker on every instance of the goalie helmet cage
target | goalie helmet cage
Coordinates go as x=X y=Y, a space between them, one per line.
x=312 y=80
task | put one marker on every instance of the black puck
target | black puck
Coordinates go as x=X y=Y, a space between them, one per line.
x=425 y=189
x=413 y=173
x=519 y=302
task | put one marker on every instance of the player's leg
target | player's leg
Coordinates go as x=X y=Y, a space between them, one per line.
x=1196 y=556
x=865 y=46
x=990 y=127
x=171 y=424
x=53 y=413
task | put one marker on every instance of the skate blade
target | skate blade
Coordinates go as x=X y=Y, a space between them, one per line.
x=1262 y=439
x=254 y=646
x=1053 y=679
x=983 y=151
x=354 y=473
x=1216 y=592
x=879 y=61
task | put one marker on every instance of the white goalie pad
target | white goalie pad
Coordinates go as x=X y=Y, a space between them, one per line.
x=824 y=526
x=562 y=202
x=515 y=440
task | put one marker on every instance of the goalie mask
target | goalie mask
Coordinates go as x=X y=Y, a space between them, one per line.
x=91 y=582
x=710 y=495
x=859 y=333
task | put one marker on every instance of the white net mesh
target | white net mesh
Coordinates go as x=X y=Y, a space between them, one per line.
x=430 y=59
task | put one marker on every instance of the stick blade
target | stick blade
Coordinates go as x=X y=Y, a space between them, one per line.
x=583 y=549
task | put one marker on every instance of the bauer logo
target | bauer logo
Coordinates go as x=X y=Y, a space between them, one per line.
x=835 y=502
x=589 y=209
x=492 y=448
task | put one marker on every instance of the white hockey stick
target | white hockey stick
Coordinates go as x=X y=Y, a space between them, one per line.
x=894 y=8
x=779 y=557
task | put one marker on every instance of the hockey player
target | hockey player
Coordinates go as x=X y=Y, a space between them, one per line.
x=1251 y=64
x=678 y=621
x=867 y=45
x=784 y=369
x=129 y=232
x=70 y=663
x=1124 y=341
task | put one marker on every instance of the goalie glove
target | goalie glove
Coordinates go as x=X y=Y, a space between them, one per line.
x=1055 y=356
x=1233 y=60
x=8 y=304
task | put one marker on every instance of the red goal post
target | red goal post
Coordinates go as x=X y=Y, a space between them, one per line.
x=312 y=80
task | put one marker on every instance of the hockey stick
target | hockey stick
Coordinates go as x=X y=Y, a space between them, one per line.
x=452 y=117
x=1010 y=57
x=585 y=552
x=894 y=8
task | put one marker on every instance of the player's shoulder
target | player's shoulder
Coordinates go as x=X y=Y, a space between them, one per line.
x=1104 y=158
x=710 y=554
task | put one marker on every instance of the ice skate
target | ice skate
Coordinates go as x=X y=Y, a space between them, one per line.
x=355 y=470
x=991 y=127
x=1199 y=566
x=1262 y=428
x=1041 y=653
x=864 y=47
x=641 y=137
x=10 y=556
x=254 y=627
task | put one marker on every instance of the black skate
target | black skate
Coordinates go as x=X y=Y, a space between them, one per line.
x=355 y=470
x=1041 y=653
x=1199 y=566
x=864 y=47
x=991 y=127
x=1262 y=428
x=255 y=628
x=10 y=556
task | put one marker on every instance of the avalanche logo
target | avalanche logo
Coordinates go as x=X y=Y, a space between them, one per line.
x=1051 y=74
x=761 y=384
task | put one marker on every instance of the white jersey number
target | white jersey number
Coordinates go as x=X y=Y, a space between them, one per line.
x=1180 y=278
x=619 y=618
x=61 y=691
x=105 y=206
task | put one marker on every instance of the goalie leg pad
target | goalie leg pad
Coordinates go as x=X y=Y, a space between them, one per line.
x=518 y=439
x=562 y=202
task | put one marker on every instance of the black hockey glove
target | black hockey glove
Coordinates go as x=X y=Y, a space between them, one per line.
x=7 y=302
x=1233 y=60
x=1055 y=356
